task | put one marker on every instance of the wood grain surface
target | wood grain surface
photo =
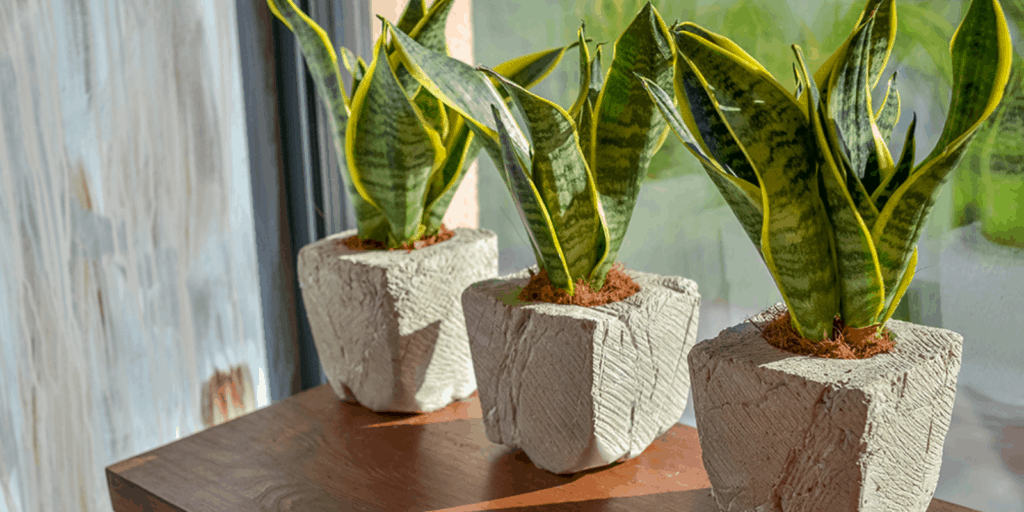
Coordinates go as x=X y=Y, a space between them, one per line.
x=314 y=452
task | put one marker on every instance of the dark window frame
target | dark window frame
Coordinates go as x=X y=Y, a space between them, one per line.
x=298 y=196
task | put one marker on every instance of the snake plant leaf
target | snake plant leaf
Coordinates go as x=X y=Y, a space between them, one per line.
x=889 y=113
x=981 y=39
x=354 y=65
x=799 y=83
x=859 y=277
x=777 y=149
x=429 y=30
x=564 y=182
x=529 y=70
x=849 y=101
x=596 y=76
x=742 y=197
x=627 y=124
x=716 y=138
x=724 y=43
x=903 y=169
x=464 y=146
x=411 y=15
x=322 y=62
x=585 y=127
x=445 y=181
x=880 y=46
x=879 y=165
x=464 y=89
x=531 y=209
x=433 y=111
x=391 y=149
x=581 y=97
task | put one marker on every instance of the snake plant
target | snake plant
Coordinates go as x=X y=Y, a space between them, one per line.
x=576 y=184
x=809 y=174
x=405 y=152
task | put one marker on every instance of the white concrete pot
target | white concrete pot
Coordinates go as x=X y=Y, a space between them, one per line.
x=578 y=388
x=388 y=325
x=780 y=431
x=980 y=287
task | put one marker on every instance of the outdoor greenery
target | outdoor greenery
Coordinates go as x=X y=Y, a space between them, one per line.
x=403 y=151
x=802 y=170
x=576 y=183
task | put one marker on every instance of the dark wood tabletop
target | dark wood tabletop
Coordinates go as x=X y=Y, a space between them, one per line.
x=314 y=452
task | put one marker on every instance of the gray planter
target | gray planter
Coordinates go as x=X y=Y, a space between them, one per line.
x=780 y=431
x=388 y=325
x=578 y=388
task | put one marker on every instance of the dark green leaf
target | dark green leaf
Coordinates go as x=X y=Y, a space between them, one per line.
x=411 y=15
x=391 y=150
x=531 y=210
x=627 y=124
x=564 y=182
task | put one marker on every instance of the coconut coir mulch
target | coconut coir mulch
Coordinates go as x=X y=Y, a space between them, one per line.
x=356 y=244
x=617 y=286
x=846 y=342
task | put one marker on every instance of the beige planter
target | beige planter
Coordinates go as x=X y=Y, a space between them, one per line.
x=575 y=387
x=388 y=325
x=780 y=431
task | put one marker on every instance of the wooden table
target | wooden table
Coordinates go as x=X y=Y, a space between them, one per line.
x=314 y=452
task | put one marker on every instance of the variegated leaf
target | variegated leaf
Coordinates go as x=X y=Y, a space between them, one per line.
x=411 y=15
x=742 y=197
x=596 y=76
x=353 y=65
x=581 y=96
x=322 y=62
x=429 y=30
x=464 y=89
x=445 y=180
x=627 y=124
x=882 y=39
x=982 y=55
x=564 y=182
x=725 y=44
x=462 y=144
x=719 y=142
x=885 y=190
x=849 y=101
x=529 y=70
x=433 y=111
x=777 y=149
x=776 y=146
x=391 y=150
x=889 y=113
x=532 y=211
x=859 y=277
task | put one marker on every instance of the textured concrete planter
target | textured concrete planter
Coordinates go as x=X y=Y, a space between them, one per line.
x=388 y=325
x=574 y=387
x=780 y=431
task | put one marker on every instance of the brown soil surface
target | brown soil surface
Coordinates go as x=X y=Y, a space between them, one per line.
x=357 y=244
x=846 y=342
x=617 y=286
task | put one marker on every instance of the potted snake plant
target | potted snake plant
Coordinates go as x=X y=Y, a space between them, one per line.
x=579 y=362
x=383 y=299
x=836 y=219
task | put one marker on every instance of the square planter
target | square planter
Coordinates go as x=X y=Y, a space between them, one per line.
x=388 y=325
x=780 y=431
x=574 y=387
